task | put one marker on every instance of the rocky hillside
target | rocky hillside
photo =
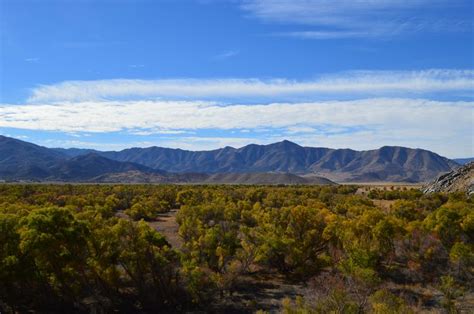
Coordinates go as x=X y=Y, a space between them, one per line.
x=283 y=162
x=388 y=163
x=461 y=179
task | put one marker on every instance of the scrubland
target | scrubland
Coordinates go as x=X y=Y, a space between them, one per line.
x=291 y=249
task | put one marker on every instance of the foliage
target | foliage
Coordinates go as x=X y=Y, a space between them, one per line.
x=83 y=248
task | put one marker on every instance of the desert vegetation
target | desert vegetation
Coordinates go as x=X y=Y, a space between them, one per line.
x=94 y=248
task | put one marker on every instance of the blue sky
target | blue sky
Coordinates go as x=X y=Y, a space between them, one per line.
x=110 y=74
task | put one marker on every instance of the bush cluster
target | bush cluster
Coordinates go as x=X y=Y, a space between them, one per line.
x=65 y=248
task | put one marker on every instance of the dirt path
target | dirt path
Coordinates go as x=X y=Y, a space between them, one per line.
x=166 y=225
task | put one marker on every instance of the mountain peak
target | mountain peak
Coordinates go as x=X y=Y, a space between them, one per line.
x=285 y=143
x=388 y=163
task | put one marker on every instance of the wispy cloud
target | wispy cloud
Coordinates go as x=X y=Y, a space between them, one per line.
x=89 y=44
x=369 y=109
x=421 y=121
x=324 y=34
x=227 y=54
x=209 y=143
x=300 y=129
x=32 y=60
x=93 y=144
x=20 y=137
x=151 y=131
x=359 y=83
x=328 y=19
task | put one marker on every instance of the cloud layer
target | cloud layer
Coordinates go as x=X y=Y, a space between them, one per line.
x=359 y=109
x=327 y=19
x=372 y=83
x=382 y=120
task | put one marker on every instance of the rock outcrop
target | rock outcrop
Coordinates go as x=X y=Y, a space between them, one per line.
x=461 y=179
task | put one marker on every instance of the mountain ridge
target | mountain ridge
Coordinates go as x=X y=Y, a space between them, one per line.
x=23 y=160
x=388 y=163
x=463 y=161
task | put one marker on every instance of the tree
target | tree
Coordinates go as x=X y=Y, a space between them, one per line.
x=57 y=244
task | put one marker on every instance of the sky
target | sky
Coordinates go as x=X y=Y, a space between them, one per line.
x=204 y=74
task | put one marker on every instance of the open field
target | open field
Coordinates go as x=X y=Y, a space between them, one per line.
x=234 y=248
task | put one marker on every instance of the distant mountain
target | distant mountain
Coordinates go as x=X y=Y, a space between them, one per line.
x=284 y=162
x=23 y=160
x=91 y=166
x=459 y=180
x=134 y=176
x=264 y=178
x=385 y=164
x=217 y=178
x=74 y=152
x=278 y=157
x=463 y=161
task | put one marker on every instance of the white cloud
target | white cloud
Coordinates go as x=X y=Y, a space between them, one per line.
x=185 y=112
x=356 y=18
x=209 y=143
x=300 y=129
x=380 y=83
x=325 y=34
x=57 y=143
x=424 y=122
x=157 y=131
x=179 y=115
x=20 y=137
x=227 y=54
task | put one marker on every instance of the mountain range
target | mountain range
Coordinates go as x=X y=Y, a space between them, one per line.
x=282 y=162
x=463 y=161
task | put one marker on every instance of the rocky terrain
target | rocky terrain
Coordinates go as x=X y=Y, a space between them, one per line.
x=461 y=179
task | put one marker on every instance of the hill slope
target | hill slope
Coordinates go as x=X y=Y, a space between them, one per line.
x=218 y=178
x=90 y=166
x=461 y=179
x=264 y=178
x=384 y=164
x=21 y=160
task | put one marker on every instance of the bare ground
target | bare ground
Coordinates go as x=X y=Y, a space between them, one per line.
x=166 y=225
